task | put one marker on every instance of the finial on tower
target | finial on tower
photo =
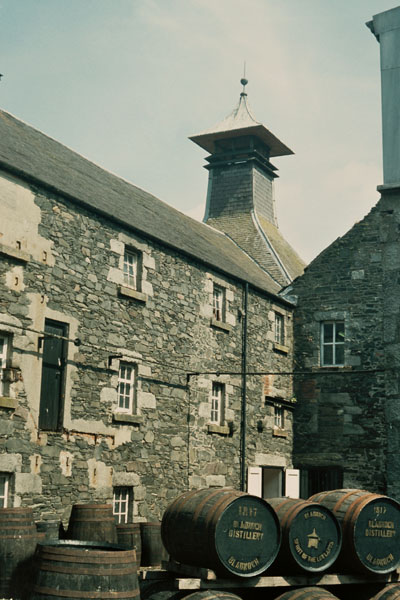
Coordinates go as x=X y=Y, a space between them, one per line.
x=244 y=81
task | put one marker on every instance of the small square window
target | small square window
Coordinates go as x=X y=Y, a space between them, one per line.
x=332 y=343
x=279 y=332
x=126 y=387
x=4 y=489
x=122 y=504
x=132 y=269
x=217 y=403
x=218 y=303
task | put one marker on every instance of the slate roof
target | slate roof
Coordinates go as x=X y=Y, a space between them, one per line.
x=240 y=122
x=32 y=155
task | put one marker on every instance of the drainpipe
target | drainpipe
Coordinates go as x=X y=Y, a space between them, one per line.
x=386 y=28
x=244 y=394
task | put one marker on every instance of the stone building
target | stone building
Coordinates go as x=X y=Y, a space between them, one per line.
x=125 y=329
x=347 y=324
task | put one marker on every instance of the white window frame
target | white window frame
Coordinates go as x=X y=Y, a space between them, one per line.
x=217 y=403
x=3 y=360
x=126 y=398
x=279 y=416
x=122 y=503
x=4 y=489
x=279 y=329
x=334 y=344
x=131 y=268
x=218 y=302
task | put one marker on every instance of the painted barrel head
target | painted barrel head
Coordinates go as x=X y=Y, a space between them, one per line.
x=315 y=538
x=247 y=536
x=376 y=534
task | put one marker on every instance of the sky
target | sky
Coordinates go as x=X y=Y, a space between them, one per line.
x=126 y=82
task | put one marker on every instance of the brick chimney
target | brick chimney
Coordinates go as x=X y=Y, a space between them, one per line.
x=386 y=28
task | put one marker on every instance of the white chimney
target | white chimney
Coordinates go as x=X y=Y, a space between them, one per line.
x=386 y=28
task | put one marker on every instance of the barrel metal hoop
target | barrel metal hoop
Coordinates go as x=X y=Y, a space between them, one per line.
x=61 y=554
x=343 y=499
x=356 y=507
x=292 y=513
x=170 y=517
x=18 y=536
x=80 y=594
x=129 y=570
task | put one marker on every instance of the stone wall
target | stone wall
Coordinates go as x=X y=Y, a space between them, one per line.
x=342 y=411
x=61 y=262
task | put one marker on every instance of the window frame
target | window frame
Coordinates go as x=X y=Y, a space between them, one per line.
x=279 y=416
x=4 y=355
x=132 y=280
x=219 y=297
x=132 y=381
x=334 y=344
x=4 y=497
x=122 y=507
x=217 y=409
x=279 y=329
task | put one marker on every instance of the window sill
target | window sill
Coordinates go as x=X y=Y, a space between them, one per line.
x=128 y=292
x=221 y=325
x=221 y=429
x=281 y=348
x=278 y=432
x=125 y=418
x=6 y=402
x=15 y=253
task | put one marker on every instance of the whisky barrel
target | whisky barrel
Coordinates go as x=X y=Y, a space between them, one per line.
x=370 y=528
x=18 y=538
x=49 y=529
x=164 y=591
x=307 y=593
x=85 y=570
x=153 y=550
x=92 y=523
x=389 y=592
x=229 y=531
x=311 y=535
x=129 y=536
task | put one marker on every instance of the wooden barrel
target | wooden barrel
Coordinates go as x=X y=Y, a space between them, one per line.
x=50 y=529
x=85 y=570
x=223 y=529
x=18 y=538
x=153 y=550
x=307 y=593
x=164 y=591
x=389 y=592
x=311 y=535
x=370 y=528
x=92 y=523
x=128 y=535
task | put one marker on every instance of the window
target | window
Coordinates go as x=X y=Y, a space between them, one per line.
x=54 y=353
x=332 y=343
x=4 y=344
x=131 y=269
x=122 y=504
x=217 y=403
x=279 y=416
x=218 y=303
x=279 y=332
x=4 y=485
x=126 y=387
x=320 y=479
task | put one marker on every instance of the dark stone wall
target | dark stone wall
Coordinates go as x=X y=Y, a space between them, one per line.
x=342 y=412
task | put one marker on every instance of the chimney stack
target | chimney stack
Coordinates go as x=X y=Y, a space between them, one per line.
x=386 y=28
